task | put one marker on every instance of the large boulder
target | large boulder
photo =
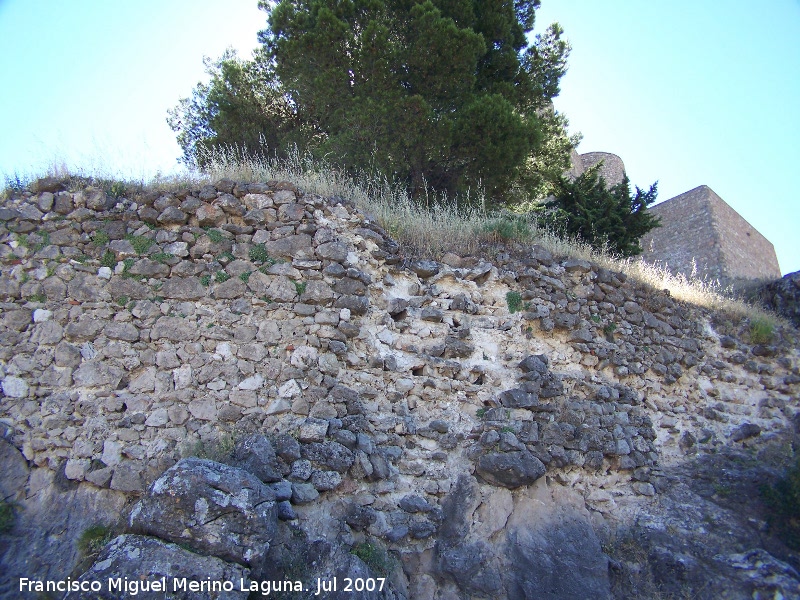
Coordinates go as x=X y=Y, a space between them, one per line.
x=211 y=507
x=159 y=570
x=510 y=469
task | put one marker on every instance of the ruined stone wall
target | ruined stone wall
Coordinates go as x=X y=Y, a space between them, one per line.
x=375 y=395
x=701 y=234
x=613 y=169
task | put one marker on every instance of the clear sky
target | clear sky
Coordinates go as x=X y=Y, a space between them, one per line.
x=686 y=92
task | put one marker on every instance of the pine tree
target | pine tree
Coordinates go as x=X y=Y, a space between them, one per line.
x=440 y=94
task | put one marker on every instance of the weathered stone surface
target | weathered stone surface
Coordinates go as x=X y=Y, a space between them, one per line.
x=15 y=387
x=233 y=288
x=256 y=455
x=552 y=551
x=510 y=469
x=15 y=471
x=175 y=329
x=183 y=288
x=96 y=374
x=424 y=268
x=293 y=246
x=213 y=508
x=129 y=557
x=328 y=454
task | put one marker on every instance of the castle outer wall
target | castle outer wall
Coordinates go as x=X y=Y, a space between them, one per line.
x=701 y=234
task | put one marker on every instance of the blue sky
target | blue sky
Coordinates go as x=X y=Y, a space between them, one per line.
x=686 y=92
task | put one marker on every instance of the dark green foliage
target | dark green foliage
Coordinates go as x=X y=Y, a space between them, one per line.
x=109 y=260
x=514 y=301
x=438 y=94
x=783 y=500
x=140 y=243
x=241 y=106
x=215 y=235
x=258 y=253
x=603 y=217
x=442 y=94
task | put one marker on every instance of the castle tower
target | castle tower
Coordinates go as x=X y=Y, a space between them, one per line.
x=700 y=226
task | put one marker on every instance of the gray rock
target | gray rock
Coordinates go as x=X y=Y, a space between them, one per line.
x=285 y=511
x=745 y=431
x=213 y=508
x=15 y=387
x=325 y=481
x=303 y=493
x=424 y=268
x=256 y=455
x=518 y=398
x=174 y=329
x=121 y=331
x=510 y=469
x=313 y=430
x=290 y=247
x=282 y=489
x=233 y=288
x=329 y=454
x=183 y=288
x=172 y=215
x=414 y=504
x=129 y=557
x=288 y=448
x=357 y=305
x=301 y=470
x=96 y=374
x=335 y=251
x=15 y=471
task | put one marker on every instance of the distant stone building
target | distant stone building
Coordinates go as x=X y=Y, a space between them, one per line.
x=612 y=169
x=699 y=232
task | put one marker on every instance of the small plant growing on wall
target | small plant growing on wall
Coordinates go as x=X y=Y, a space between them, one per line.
x=514 y=302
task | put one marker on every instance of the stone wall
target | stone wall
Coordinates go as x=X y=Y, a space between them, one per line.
x=434 y=406
x=701 y=234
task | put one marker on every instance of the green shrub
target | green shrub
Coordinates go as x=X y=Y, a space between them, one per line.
x=245 y=276
x=100 y=238
x=300 y=286
x=205 y=280
x=225 y=256
x=215 y=235
x=109 y=259
x=762 y=331
x=514 y=301
x=117 y=189
x=122 y=300
x=162 y=257
x=140 y=243
x=41 y=298
x=222 y=277
x=258 y=253
x=783 y=500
